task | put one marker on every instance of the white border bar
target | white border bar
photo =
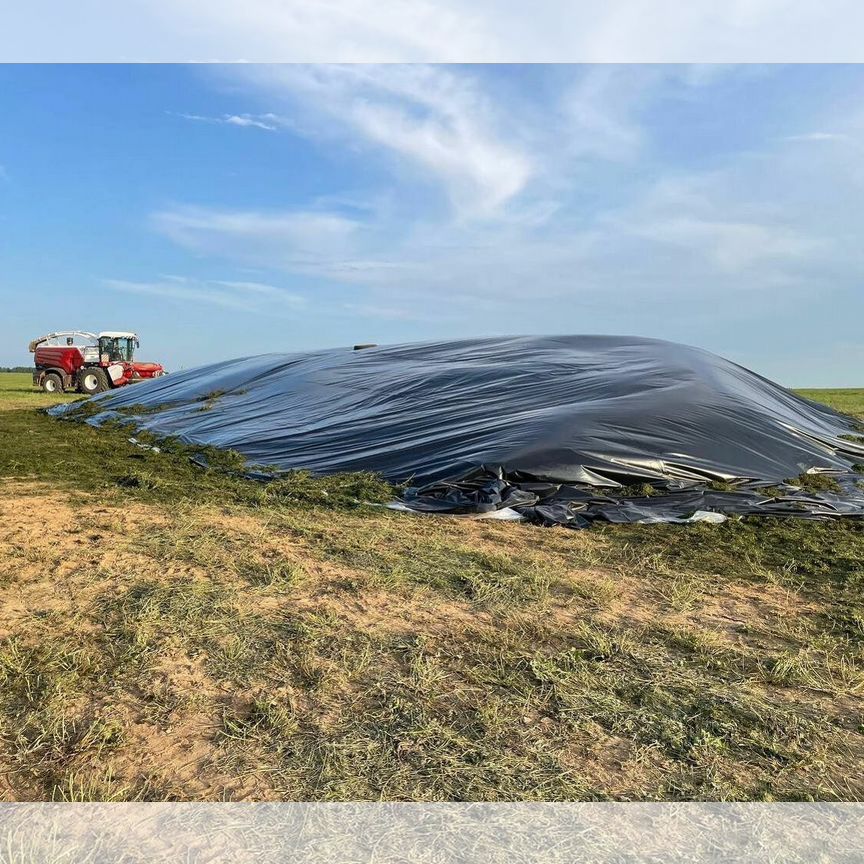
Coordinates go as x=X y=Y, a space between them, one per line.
x=318 y=31
x=430 y=833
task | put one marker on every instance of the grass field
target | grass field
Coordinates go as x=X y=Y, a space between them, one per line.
x=172 y=633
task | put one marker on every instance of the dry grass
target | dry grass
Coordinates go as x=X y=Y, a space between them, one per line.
x=191 y=638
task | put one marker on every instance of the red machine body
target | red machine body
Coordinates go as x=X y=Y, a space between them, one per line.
x=87 y=362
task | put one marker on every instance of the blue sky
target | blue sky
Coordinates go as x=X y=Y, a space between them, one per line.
x=224 y=210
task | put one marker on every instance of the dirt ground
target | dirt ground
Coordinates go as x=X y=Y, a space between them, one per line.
x=141 y=681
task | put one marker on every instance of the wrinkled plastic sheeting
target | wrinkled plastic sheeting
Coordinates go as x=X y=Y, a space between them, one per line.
x=548 y=426
x=577 y=507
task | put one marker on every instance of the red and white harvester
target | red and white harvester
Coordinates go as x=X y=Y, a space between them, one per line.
x=88 y=362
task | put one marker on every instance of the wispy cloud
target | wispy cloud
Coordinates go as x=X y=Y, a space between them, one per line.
x=699 y=218
x=294 y=240
x=504 y=154
x=600 y=111
x=431 y=118
x=248 y=296
x=817 y=136
x=383 y=313
x=646 y=248
x=731 y=247
x=564 y=205
x=270 y=122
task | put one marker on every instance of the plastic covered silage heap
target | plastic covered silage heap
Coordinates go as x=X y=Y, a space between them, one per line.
x=561 y=430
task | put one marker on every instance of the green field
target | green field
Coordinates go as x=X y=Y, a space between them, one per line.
x=169 y=633
x=849 y=401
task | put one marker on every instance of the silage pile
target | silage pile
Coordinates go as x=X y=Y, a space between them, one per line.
x=562 y=430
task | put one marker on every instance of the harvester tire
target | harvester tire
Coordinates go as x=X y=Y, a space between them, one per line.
x=52 y=383
x=92 y=380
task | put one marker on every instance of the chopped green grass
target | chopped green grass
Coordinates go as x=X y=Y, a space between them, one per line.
x=637 y=490
x=816 y=483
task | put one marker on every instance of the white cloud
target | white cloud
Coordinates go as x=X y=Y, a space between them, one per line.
x=495 y=154
x=817 y=136
x=293 y=238
x=246 y=296
x=599 y=110
x=247 y=120
x=430 y=117
x=683 y=236
x=637 y=251
x=382 y=313
x=583 y=219
x=704 y=217
x=731 y=247
x=270 y=122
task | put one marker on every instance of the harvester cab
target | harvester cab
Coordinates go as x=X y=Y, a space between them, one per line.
x=88 y=362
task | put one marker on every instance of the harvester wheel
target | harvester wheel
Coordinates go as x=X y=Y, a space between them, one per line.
x=52 y=383
x=92 y=380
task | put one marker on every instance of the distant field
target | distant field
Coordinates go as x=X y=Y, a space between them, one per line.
x=173 y=633
x=17 y=391
x=849 y=401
